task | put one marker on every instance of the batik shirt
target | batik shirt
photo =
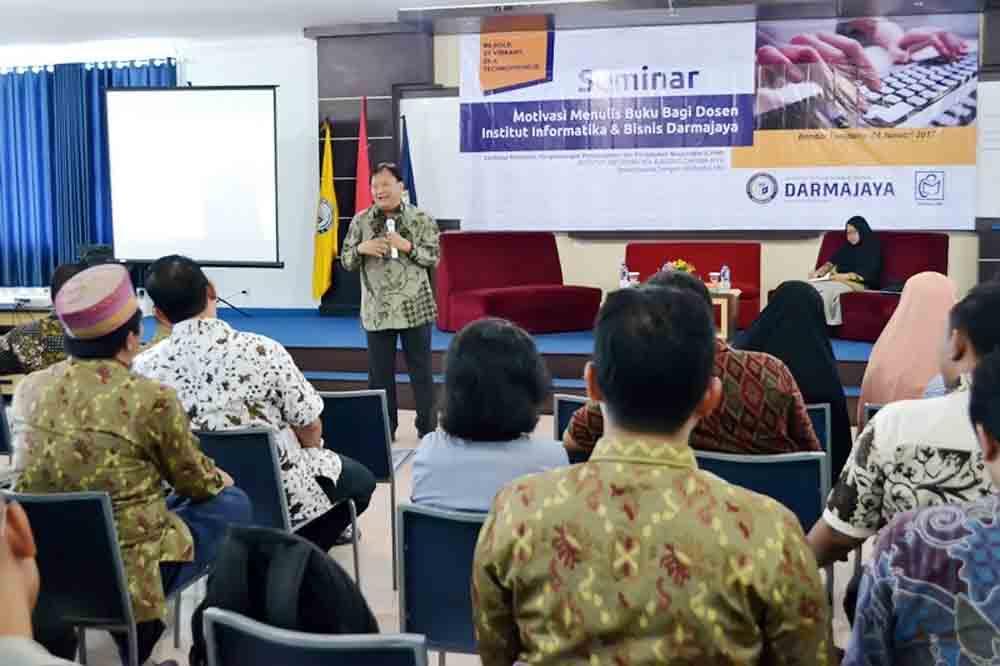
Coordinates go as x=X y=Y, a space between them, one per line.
x=931 y=594
x=913 y=454
x=395 y=293
x=32 y=347
x=762 y=410
x=229 y=379
x=94 y=425
x=638 y=557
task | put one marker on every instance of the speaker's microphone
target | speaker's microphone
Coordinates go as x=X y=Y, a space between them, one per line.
x=390 y=226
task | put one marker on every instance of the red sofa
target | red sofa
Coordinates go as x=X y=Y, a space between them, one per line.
x=516 y=276
x=904 y=254
x=743 y=260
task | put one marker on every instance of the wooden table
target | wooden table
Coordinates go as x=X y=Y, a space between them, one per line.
x=728 y=302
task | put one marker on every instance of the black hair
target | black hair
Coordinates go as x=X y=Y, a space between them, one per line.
x=654 y=354
x=495 y=383
x=106 y=346
x=681 y=280
x=177 y=286
x=61 y=276
x=984 y=401
x=391 y=167
x=976 y=315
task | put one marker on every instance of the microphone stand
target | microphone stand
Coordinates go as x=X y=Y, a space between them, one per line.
x=233 y=307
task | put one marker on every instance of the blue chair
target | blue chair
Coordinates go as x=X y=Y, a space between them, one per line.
x=800 y=481
x=563 y=408
x=819 y=414
x=437 y=547
x=356 y=424
x=80 y=564
x=871 y=409
x=232 y=639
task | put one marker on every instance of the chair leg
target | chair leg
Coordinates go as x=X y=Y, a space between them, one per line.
x=177 y=620
x=354 y=541
x=441 y=658
x=133 y=645
x=392 y=522
x=82 y=644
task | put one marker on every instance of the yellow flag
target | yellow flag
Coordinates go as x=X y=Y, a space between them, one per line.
x=327 y=218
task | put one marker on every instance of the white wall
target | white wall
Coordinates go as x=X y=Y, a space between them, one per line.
x=596 y=263
x=290 y=63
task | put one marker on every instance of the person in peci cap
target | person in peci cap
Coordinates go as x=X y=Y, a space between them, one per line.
x=90 y=424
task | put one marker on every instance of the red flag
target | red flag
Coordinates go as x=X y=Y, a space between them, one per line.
x=362 y=186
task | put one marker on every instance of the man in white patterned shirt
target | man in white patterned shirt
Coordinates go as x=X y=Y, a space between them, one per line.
x=916 y=453
x=231 y=379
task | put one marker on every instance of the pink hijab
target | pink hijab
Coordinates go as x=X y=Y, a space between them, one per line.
x=906 y=358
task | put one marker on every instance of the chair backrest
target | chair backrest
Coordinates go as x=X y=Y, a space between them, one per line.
x=250 y=456
x=563 y=408
x=904 y=253
x=742 y=258
x=80 y=564
x=236 y=640
x=356 y=424
x=871 y=409
x=797 y=480
x=819 y=414
x=5 y=434
x=482 y=260
x=435 y=573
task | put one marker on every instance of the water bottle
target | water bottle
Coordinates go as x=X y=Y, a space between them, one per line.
x=726 y=276
x=623 y=276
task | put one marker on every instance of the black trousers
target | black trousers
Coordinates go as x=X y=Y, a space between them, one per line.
x=382 y=372
x=356 y=482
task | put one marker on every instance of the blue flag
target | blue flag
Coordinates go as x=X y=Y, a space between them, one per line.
x=406 y=168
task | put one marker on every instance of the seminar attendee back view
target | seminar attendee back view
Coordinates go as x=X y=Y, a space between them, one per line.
x=636 y=556
x=230 y=379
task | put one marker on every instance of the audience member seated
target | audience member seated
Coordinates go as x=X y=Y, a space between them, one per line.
x=915 y=453
x=762 y=410
x=638 y=557
x=37 y=345
x=793 y=329
x=19 y=591
x=230 y=379
x=89 y=423
x=854 y=267
x=495 y=384
x=929 y=595
x=905 y=357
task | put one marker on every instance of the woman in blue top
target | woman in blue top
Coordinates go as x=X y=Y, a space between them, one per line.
x=495 y=385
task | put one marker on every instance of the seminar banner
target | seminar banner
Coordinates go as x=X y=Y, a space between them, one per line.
x=779 y=125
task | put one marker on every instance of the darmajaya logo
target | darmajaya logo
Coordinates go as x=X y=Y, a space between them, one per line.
x=324 y=216
x=762 y=188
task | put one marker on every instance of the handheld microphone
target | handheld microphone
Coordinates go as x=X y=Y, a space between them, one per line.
x=390 y=226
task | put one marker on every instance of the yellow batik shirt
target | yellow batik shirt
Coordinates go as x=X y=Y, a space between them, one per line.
x=638 y=557
x=95 y=426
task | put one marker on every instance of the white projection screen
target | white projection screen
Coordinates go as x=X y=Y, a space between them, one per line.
x=193 y=172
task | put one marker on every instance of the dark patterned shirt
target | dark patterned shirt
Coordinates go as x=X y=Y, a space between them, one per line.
x=913 y=454
x=762 y=410
x=931 y=594
x=638 y=557
x=94 y=425
x=395 y=293
x=32 y=347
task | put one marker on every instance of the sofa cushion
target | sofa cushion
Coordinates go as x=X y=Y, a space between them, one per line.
x=865 y=314
x=541 y=308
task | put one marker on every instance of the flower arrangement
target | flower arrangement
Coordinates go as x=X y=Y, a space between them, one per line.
x=679 y=265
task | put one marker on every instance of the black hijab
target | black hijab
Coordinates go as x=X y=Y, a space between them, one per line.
x=793 y=328
x=865 y=258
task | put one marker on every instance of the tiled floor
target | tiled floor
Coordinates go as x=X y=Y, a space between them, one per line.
x=376 y=565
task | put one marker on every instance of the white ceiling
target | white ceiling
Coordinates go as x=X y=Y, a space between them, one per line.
x=61 y=21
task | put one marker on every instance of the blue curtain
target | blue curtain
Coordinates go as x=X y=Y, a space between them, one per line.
x=54 y=175
x=27 y=217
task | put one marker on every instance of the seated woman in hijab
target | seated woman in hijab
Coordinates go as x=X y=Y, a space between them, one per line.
x=854 y=267
x=792 y=327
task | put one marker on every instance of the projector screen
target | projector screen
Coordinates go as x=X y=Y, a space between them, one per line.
x=193 y=172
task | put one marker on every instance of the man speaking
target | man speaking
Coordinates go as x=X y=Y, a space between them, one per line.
x=394 y=245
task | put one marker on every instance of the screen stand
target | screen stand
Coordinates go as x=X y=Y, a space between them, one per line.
x=242 y=312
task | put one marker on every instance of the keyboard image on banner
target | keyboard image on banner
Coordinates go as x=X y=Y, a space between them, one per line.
x=933 y=92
